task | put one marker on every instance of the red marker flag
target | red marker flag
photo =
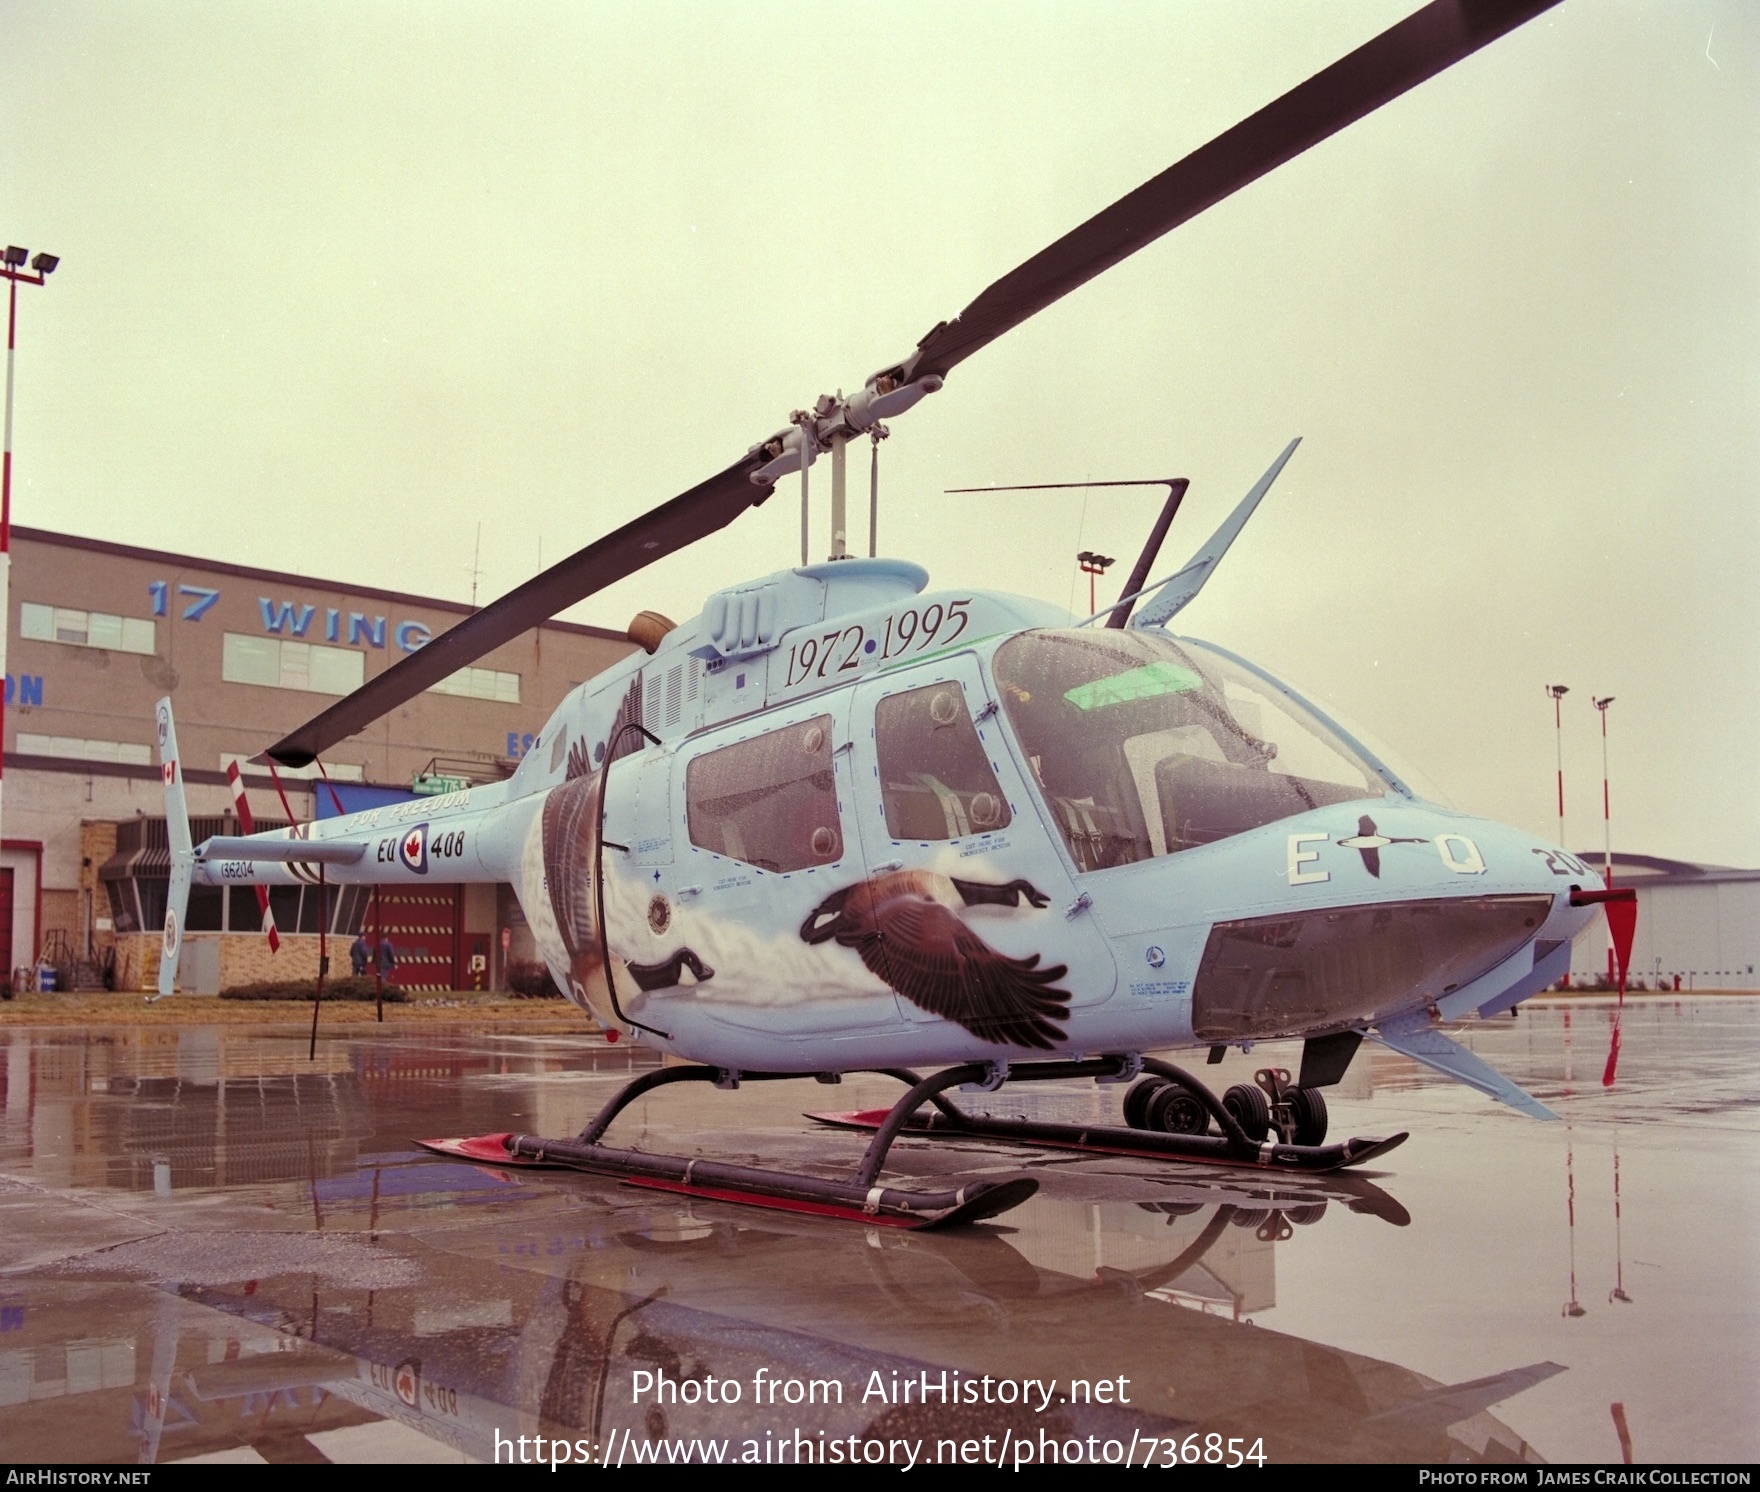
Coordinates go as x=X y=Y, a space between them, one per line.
x=1621 y=907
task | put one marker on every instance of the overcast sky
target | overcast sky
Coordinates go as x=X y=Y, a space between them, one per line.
x=340 y=281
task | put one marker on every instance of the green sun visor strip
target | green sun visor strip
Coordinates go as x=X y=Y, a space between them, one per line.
x=1160 y=677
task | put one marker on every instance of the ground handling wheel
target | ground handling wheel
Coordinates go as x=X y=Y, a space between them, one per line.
x=1173 y=1111
x=1307 y=1107
x=1251 y=1110
x=1136 y=1101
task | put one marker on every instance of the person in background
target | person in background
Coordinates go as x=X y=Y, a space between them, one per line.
x=358 y=956
x=387 y=956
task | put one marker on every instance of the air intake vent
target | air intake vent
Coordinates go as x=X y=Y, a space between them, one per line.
x=743 y=622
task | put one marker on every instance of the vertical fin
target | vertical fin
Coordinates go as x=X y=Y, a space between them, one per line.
x=1176 y=592
x=182 y=851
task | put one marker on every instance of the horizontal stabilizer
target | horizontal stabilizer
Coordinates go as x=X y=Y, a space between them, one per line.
x=1188 y=582
x=1434 y=1049
x=1451 y=1403
x=302 y=851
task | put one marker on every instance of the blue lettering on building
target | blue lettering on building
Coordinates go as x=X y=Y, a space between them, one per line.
x=29 y=689
x=293 y=618
x=202 y=596
x=358 y=628
x=518 y=745
x=201 y=599
x=296 y=621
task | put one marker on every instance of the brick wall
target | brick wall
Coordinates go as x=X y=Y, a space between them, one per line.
x=244 y=958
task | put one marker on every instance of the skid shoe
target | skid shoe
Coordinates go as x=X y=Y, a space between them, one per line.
x=1169 y=1116
x=860 y=1199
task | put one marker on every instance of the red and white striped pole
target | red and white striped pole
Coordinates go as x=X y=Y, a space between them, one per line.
x=13 y=269
x=1606 y=820
x=1557 y=692
x=242 y=806
x=1606 y=802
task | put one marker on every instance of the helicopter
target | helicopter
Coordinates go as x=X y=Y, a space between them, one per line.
x=843 y=821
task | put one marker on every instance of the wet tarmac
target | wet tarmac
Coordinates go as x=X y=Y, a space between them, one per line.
x=213 y=1248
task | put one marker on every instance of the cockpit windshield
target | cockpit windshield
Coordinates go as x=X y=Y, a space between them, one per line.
x=1145 y=746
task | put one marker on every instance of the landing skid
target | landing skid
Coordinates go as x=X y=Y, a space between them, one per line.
x=1233 y=1147
x=1103 y=1139
x=861 y=1199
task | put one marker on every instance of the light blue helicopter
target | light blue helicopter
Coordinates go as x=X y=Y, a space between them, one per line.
x=840 y=821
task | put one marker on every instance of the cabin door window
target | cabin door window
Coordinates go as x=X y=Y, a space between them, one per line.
x=936 y=781
x=770 y=801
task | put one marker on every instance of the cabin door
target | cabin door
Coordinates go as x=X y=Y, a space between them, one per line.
x=940 y=804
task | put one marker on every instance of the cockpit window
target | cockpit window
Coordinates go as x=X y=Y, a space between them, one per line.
x=935 y=778
x=1145 y=746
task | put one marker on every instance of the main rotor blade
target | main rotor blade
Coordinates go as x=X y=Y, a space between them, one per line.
x=690 y=516
x=1417 y=48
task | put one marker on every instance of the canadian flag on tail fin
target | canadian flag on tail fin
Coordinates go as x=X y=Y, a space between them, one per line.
x=242 y=804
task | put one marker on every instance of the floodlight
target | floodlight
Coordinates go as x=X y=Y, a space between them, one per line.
x=45 y=264
x=15 y=256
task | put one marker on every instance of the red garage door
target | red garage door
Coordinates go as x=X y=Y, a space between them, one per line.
x=423 y=925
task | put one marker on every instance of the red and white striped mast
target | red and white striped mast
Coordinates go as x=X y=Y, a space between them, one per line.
x=1556 y=692
x=1606 y=819
x=15 y=273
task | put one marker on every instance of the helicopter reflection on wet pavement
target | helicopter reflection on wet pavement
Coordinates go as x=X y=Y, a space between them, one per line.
x=215 y=1248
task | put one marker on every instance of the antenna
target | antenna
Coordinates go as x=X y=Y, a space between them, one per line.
x=875 y=436
x=477 y=554
x=1133 y=587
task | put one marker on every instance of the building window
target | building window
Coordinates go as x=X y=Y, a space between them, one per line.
x=137 y=904
x=86 y=629
x=277 y=663
x=935 y=779
x=770 y=801
x=480 y=683
x=79 y=749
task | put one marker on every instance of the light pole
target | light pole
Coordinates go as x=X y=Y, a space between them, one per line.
x=1606 y=808
x=1092 y=564
x=1557 y=692
x=16 y=274
x=1606 y=820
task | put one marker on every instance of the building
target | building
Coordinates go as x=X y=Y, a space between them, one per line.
x=99 y=632
x=1699 y=924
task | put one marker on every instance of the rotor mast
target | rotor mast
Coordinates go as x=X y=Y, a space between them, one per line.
x=830 y=425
